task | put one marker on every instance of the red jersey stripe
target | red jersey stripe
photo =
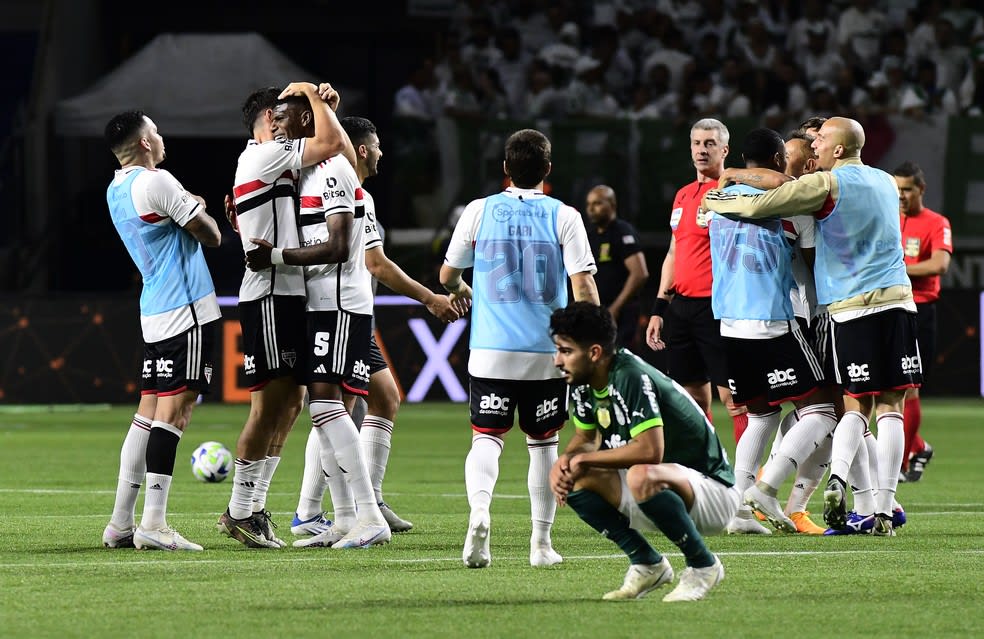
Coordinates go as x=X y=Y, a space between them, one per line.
x=151 y=218
x=310 y=201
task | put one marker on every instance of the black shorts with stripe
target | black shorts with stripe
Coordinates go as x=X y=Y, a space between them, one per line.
x=542 y=405
x=180 y=363
x=877 y=352
x=338 y=349
x=273 y=339
x=818 y=335
x=777 y=369
x=694 y=352
x=376 y=360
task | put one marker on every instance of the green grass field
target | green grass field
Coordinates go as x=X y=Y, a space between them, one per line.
x=58 y=474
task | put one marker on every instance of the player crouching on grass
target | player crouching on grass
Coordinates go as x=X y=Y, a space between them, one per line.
x=643 y=458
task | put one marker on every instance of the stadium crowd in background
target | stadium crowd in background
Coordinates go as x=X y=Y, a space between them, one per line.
x=683 y=60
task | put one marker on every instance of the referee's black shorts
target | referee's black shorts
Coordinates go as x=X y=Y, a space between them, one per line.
x=694 y=349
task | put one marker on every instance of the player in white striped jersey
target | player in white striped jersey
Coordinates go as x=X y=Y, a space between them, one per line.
x=339 y=316
x=272 y=298
x=163 y=227
x=383 y=395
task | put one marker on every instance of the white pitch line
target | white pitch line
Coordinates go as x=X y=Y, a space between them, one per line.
x=287 y=513
x=194 y=562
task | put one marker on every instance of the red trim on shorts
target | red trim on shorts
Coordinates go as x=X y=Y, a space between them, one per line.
x=258 y=387
x=354 y=391
x=744 y=403
x=489 y=431
x=879 y=392
x=177 y=391
x=797 y=398
x=148 y=392
x=542 y=436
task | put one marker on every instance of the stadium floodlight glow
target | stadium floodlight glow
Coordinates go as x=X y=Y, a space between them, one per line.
x=437 y=366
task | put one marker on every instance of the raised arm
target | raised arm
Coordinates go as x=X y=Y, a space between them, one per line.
x=329 y=138
x=765 y=179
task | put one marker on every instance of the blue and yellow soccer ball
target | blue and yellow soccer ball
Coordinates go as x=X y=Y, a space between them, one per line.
x=211 y=462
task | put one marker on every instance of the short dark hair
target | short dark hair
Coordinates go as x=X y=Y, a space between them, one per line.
x=761 y=146
x=123 y=127
x=585 y=324
x=256 y=103
x=913 y=170
x=799 y=134
x=358 y=129
x=812 y=123
x=527 y=158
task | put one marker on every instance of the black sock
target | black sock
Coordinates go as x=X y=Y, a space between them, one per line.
x=162 y=447
x=605 y=518
x=667 y=510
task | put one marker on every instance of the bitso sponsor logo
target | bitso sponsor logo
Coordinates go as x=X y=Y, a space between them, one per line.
x=858 y=372
x=782 y=378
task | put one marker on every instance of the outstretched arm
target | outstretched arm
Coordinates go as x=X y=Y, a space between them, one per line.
x=765 y=179
x=389 y=273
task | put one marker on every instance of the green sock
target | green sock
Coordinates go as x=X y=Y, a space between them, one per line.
x=605 y=518
x=667 y=510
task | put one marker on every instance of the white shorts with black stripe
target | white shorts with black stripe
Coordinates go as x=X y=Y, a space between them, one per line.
x=777 y=369
x=273 y=339
x=338 y=349
x=714 y=503
x=180 y=363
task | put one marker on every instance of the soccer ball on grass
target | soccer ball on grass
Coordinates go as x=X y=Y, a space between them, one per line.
x=211 y=462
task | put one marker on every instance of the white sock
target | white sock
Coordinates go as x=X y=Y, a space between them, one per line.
x=263 y=483
x=891 y=448
x=543 y=506
x=133 y=467
x=342 y=502
x=337 y=432
x=246 y=474
x=811 y=473
x=847 y=438
x=482 y=470
x=313 y=482
x=800 y=442
x=155 y=501
x=787 y=422
x=748 y=453
x=376 y=435
x=860 y=478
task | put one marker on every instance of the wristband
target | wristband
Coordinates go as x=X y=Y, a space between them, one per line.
x=659 y=306
x=277 y=256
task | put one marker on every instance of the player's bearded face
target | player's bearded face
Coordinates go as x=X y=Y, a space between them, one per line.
x=573 y=361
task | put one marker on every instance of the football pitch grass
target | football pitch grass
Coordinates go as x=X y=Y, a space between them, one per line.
x=58 y=473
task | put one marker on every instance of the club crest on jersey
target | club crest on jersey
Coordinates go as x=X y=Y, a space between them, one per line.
x=207 y=371
x=289 y=357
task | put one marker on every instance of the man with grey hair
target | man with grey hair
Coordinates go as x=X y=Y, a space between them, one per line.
x=692 y=339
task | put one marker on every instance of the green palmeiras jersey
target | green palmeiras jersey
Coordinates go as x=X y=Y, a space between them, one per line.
x=639 y=397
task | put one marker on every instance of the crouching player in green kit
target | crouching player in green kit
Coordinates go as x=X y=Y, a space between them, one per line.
x=643 y=458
